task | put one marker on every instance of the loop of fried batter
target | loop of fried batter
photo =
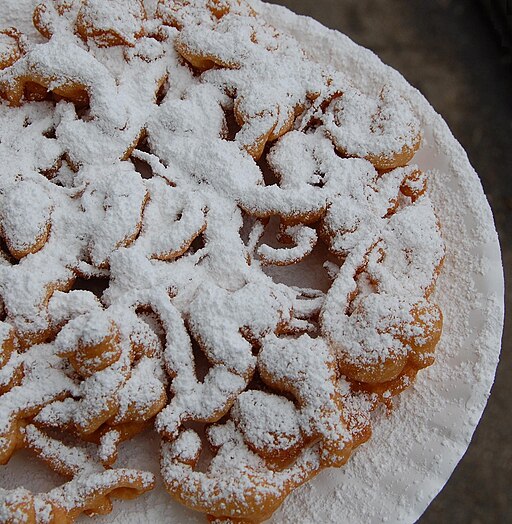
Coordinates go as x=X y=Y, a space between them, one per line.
x=12 y=47
x=111 y=22
x=107 y=23
x=123 y=381
x=52 y=16
x=241 y=485
x=305 y=239
x=43 y=382
x=25 y=218
x=89 y=489
x=383 y=130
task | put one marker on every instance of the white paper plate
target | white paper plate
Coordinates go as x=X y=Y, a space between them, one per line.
x=414 y=450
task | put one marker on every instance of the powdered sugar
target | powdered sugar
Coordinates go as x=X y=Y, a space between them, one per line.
x=23 y=226
x=108 y=446
x=268 y=422
x=11 y=47
x=364 y=126
x=6 y=46
x=106 y=21
x=213 y=173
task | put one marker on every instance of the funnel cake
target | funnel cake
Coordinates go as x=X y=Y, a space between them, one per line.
x=156 y=164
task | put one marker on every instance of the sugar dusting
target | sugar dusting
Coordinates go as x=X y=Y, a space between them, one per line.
x=437 y=397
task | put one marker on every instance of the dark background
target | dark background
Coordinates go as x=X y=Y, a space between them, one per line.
x=458 y=54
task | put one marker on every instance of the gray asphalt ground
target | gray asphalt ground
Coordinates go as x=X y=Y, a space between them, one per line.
x=451 y=51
